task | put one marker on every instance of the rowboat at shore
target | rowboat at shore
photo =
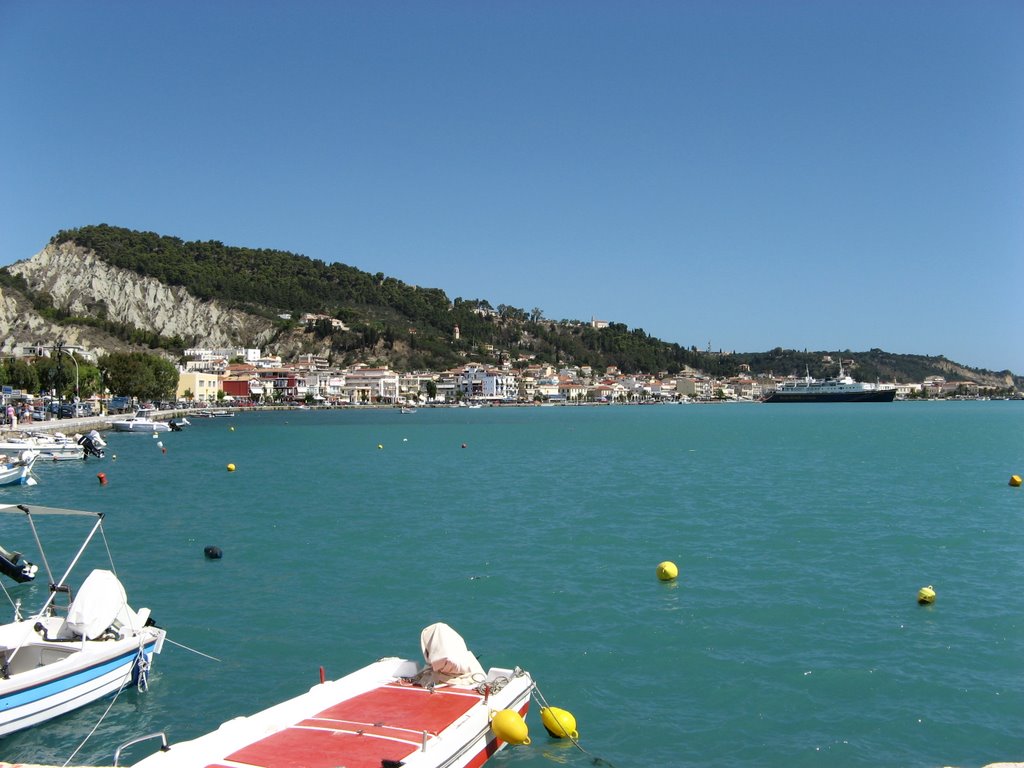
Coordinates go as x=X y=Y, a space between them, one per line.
x=393 y=712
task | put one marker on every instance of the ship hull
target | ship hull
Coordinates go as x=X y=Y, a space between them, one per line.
x=871 y=396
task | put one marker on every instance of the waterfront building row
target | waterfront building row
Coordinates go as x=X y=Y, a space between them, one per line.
x=360 y=385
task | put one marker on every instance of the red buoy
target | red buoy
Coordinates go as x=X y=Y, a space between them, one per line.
x=102 y=478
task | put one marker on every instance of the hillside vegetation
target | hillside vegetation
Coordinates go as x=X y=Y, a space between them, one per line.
x=414 y=328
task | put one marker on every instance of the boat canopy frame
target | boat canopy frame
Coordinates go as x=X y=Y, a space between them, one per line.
x=61 y=585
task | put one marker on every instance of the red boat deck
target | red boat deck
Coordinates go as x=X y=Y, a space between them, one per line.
x=390 y=726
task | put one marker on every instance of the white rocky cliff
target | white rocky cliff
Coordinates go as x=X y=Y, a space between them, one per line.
x=81 y=283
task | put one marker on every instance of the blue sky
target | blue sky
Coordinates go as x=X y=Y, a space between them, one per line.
x=819 y=175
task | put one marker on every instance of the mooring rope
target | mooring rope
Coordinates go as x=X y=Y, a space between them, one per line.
x=102 y=717
x=193 y=650
x=542 y=702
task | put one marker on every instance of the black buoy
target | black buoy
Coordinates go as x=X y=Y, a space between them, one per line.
x=213 y=553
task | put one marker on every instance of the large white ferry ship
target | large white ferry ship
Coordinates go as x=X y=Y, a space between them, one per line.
x=842 y=389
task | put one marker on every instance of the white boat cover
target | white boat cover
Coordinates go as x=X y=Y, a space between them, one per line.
x=100 y=602
x=449 y=659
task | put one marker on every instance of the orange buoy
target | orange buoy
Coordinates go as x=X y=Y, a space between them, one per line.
x=102 y=478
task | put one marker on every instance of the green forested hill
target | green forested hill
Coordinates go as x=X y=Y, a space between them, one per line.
x=411 y=327
x=414 y=326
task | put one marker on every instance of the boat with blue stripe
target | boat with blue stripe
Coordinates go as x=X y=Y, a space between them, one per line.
x=62 y=657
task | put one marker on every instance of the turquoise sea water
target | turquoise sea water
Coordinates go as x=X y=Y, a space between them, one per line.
x=791 y=638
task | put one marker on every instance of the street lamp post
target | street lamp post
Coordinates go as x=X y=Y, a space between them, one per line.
x=59 y=347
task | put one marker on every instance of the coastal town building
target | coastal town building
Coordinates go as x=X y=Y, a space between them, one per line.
x=480 y=383
x=412 y=387
x=571 y=390
x=527 y=387
x=365 y=385
x=547 y=389
x=310 y=318
x=312 y=362
x=198 y=386
x=29 y=350
x=695 y=388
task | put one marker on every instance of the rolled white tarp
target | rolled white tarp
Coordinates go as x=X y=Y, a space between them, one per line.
x=446 y=652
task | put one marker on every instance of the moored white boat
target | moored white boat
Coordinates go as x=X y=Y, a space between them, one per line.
x=214 y=413
x=142 y=421
x=51 y=664
x=393 y=712
x=54 y=446
x=17 y=470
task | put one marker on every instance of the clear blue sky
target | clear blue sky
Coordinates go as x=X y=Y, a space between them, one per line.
x=821 y=175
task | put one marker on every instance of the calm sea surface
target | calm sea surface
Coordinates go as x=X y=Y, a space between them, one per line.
x=791 y=638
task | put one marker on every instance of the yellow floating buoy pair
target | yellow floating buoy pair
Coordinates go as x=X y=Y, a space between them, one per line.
x=509 y=726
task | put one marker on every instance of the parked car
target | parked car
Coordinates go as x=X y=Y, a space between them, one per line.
x=75 y=410
x=119 y=404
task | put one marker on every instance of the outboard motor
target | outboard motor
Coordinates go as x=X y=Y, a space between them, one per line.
x=19 y=571
x=89 y=445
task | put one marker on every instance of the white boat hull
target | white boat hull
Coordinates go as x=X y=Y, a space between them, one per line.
x=96 y=668
x=342 y=721
x=19 y=471
x=49 y=450
x=139 y=425
x=16 y=476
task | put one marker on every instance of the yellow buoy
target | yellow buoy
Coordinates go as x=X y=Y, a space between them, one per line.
x=1015 y=481
x=926 y=595
x=667 y=571
x=380 y=447
x=559 y=723
x=509 y=726
x=231 y=429
x=231 y=467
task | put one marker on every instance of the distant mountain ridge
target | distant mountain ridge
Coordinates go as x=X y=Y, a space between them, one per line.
x=111 y=288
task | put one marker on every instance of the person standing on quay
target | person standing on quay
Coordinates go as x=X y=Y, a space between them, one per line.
x=12 y=418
